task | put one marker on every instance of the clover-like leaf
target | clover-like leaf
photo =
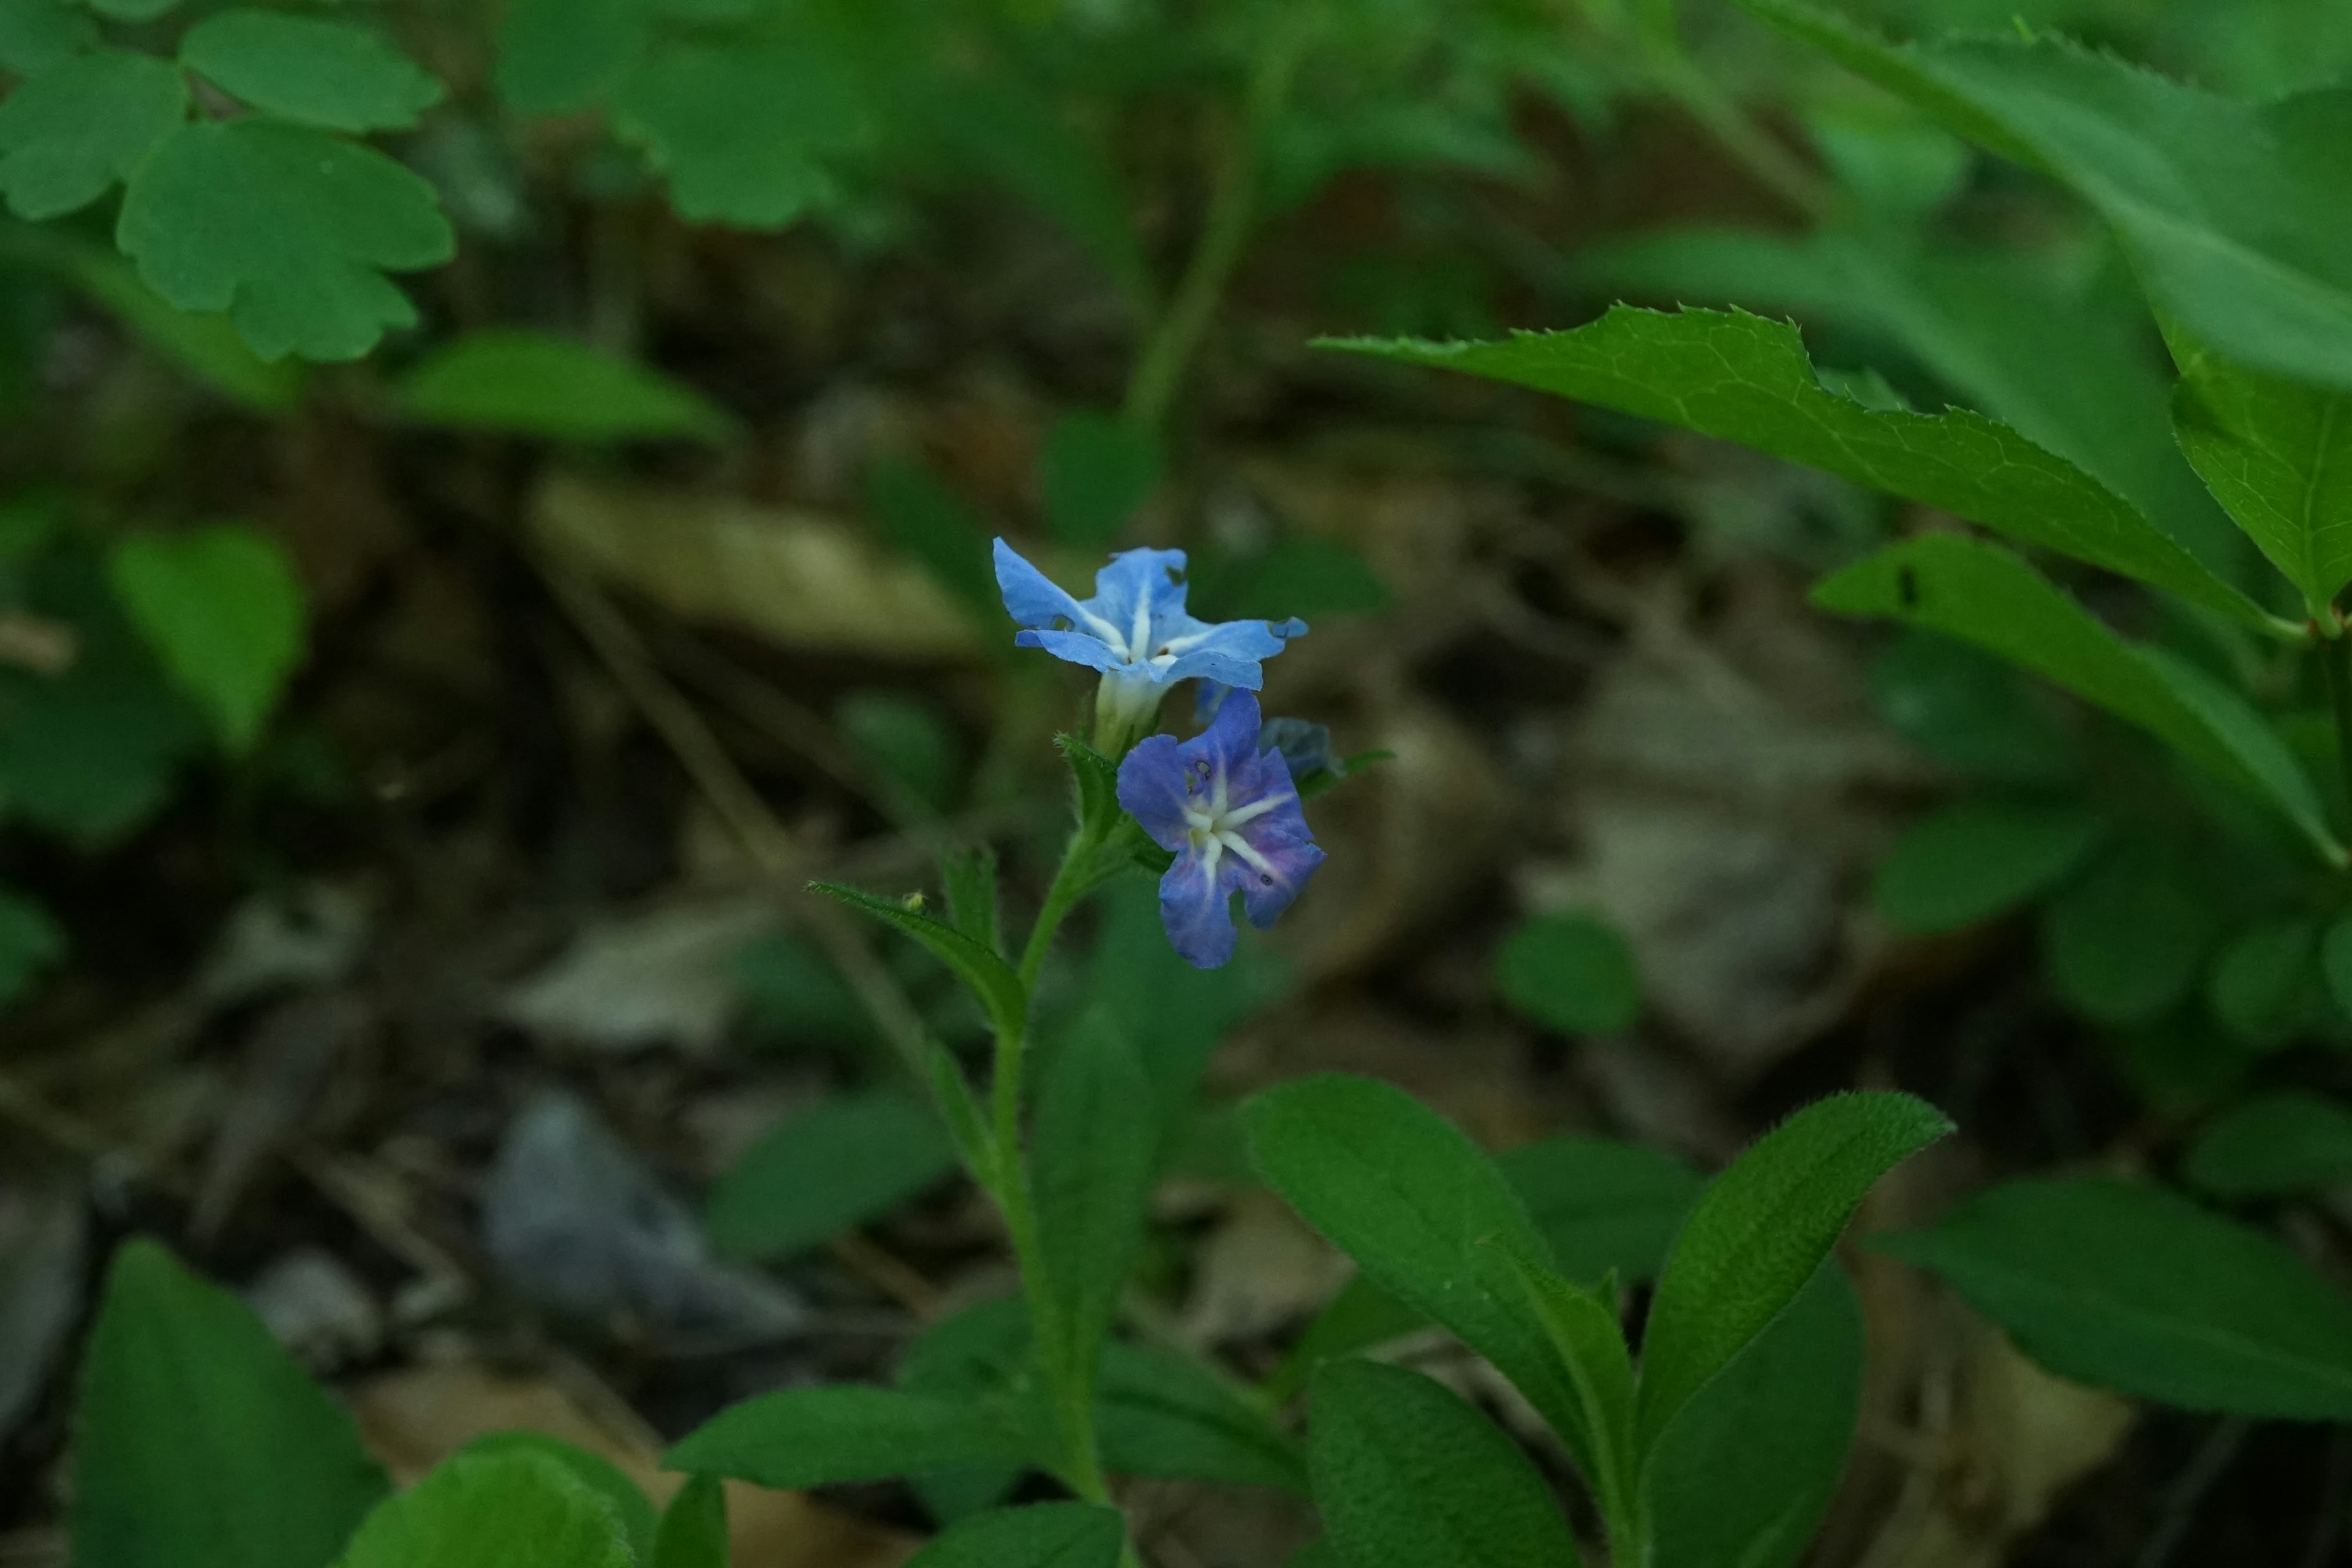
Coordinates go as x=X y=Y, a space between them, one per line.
x=65 y=136
x=740 y=133
x=559 y=57
x=308 y=69
x=38 y=35
x=286 y=229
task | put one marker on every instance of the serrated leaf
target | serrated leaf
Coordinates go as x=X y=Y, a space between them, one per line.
x=988 y=977
x=1978 y=859
x=2126 y=945
x=837 y=1165
x=198 y=1440
x=2277 y=1145
x=512 y=1509
x=1093 y=1155
x=309 y=69
x=2278 y=455
x=559 y=57
x=36 y=35
x=1745 y=1474
x=631 y=1509
x=29 y=942
x=529 y=382
x=1096 y=470
x=289 y=229
x=1760 y=1230
x=2238 y=215
x=1743 y=378
x=1570 y=972
x=1983 y=595
x=1164 y=1415
x=1419 y=1207
x=223 y=612
x=824 y=1437
x=2131 y=1287
x=1408 y=1476
x=743 y=134
x=1043 y=1535
x=692 y=1533
x=68 y=134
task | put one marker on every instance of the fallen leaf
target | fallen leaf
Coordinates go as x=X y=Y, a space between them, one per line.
x=43 y=1233
x=667 y=977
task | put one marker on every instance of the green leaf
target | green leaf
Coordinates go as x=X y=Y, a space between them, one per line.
x=1092 y=1157
x=30 y=942
x=1978 y=859
x=2278 y=456
x=2277 y=1145
x=1164 y=1415
x=908 y=747
x=1982 y=593
x=68 y=134
x=967 y=877
x=823 y=1436
x=2126 y=945
x=2239 y=215
x=1408 y=1476
x=36 y=35
x=742 y=133
x=206 y=346
x=2265 y=988
x=1760 y=1230
x=1747 y=379
x=308 y=69
x=1572 y=972
x=2131 y=1287
x=693 y=1529
x=132 y=10
x=198 y=1440
x=529 y=382
x=1096 y=470
x=830 y=1168
x=1045 y=1535
x=1019 y=140
x=290 y=230
x=223 y=611
x=1745 y=1474
x=931 y=525
x=1303 y=576
x=1423 y=1212
x=512 y=1509
x=988 y=977
x=981 y=1352
x=630 y=1507
x=559 y=57
x=2335 y=963
x=1589 y=1338
x=1970 y=712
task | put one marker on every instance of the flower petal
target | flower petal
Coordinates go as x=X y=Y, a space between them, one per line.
x=1076 y=646
x=1284 y=855
x=1139 y=590
x=1153 y=787
x=1230 y=746
x=1031 y=598
x=1192 y=907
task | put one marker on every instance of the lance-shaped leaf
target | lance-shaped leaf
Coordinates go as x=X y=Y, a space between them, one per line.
x=1746 y=379
x=1094 y=1153
x=2278 y=455
x=1045 y=1535
x=1758 y=1233
x=511 y=1509
x=988 y=977
x=2240 y=215
x=822 y=1437
x=1984 y=594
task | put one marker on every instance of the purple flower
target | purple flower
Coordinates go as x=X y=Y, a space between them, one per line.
x=1230 y=814
x=1135 y=631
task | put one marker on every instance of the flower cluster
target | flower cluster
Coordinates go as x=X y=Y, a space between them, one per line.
x=1224 y=803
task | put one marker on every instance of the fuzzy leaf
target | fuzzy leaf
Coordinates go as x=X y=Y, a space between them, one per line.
x=1094 y=1153
x=823 y=1436
x=289 y=229
x=305 y=69
x=68 y=134
x=512 y=1510
x=1045 y=1535
x=988 y=977
x=830 y=1168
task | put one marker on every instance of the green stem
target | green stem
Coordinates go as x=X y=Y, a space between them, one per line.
x=1735 y=130
x=2335 y=658
x=1070 y=883
x=1233 y=212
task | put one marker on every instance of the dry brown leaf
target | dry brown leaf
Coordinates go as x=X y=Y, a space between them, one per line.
x=799 y=578
x=411 y=1420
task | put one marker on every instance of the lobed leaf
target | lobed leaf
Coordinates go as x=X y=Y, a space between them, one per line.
x=2131 y=1287
x=1743 y=378
x=305 y=69
x=1408 y=1476
x=287 y=229
x=528 y=383
x=1760 y=1231
x=1983 y=595
x=2239 y=215
x=741 y=134
x=68 y=134
x=199 y=1441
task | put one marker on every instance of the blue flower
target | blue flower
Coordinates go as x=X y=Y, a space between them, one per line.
x=1305 y=746
x=1230 y=814
x=1135 y=631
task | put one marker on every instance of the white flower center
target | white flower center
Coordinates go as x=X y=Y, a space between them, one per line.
x=1214 y=824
